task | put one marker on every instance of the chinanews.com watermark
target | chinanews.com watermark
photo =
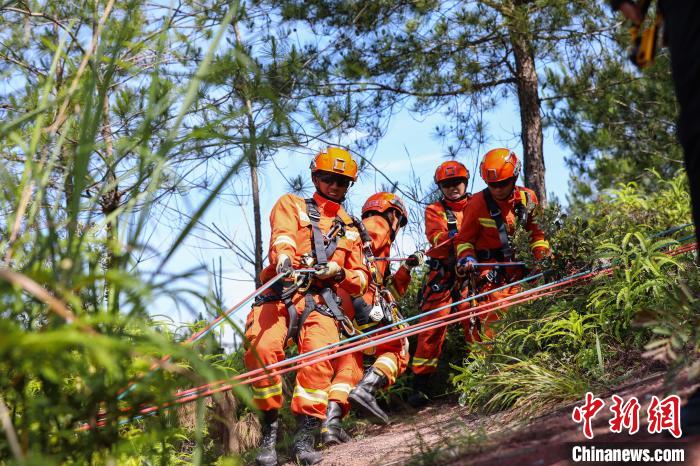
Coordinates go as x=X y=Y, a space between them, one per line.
x=625 y=453
x=663 y=424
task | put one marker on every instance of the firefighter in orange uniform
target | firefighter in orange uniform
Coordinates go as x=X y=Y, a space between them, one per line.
x=314 y=232
x=488 y=225
x=383 y=214
x=442 y=222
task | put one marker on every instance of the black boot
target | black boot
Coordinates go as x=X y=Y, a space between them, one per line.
x=303 y=447
x=332 y=432
x=420 y=397
x=363 y=396
x=690 y=415
x=267 y=456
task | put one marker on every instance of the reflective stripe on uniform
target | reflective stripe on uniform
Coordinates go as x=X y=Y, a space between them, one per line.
x=340 y=387
x=437 y=237
x=540 y=244
x=364 y=327
x=425 y=362
x=262 y=393
x=487 y=222
x=388 y=363
x=284 y=239
x=463 y=247
x=315 y=396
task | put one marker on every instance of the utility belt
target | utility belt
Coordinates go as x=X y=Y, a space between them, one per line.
x=496 y=275
x=444 y=279
x=486 y=255
x=444 y=276
x=330 y=307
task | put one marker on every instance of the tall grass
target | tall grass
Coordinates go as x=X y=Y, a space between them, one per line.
x=74 y=305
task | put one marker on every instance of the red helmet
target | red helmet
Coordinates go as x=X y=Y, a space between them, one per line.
x=499 y=164
x=449 y=170
x=335 y=160
x=382 y=202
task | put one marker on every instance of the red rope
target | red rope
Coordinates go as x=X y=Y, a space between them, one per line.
x=192 y=394
x=397 y=334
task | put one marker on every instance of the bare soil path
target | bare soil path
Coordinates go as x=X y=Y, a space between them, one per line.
x=445 y=433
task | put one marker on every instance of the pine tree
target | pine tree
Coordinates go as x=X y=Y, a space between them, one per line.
x=461 y=58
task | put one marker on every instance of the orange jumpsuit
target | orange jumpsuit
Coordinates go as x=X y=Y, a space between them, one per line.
x=478 y=237
x=442 y=286
x=267 y=323
x=392 y=357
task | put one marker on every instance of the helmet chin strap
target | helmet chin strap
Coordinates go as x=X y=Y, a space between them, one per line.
x=387 y=218
x=458 y=199
x=329 y=198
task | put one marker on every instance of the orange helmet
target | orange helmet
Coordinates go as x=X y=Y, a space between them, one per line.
x=335 y=160
x=449 y=170
x=499 y=164
x=383 y=201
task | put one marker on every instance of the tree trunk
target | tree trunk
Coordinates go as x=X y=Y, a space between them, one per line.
x=252 y=156
x=257 y=219
x=110 y=200
x=529 y=100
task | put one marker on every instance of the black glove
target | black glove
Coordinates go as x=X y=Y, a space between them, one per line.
x=362 y=310
x=465 y=265
x=416 y=259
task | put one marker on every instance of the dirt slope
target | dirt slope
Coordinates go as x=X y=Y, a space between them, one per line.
x=444 y=433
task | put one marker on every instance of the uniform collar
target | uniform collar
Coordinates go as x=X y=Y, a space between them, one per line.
x=326 y=207
x=457 y=205
x=514 y=196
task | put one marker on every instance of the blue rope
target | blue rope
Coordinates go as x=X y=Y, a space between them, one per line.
x=672 y=230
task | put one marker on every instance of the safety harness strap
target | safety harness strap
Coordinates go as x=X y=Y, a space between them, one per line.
x=496 y=216
x=293 y=327
x=367 y=249
x=322 y=252
x=316 y=233
x=451 y=219
x=331 y=309
x=444 y=277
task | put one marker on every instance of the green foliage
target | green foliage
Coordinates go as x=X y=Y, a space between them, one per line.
x=618 y=122
x=457 y=58
x=554 y=349
x=536 y=384
x=674 y=322
x=77 y=192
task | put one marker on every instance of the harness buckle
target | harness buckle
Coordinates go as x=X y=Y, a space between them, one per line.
x=436 y=287
x=336 y=230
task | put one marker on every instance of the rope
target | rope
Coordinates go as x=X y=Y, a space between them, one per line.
x=206 y=330
x=217 y=387
x=350 y=345
x=307 y=358
x=474 y=264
